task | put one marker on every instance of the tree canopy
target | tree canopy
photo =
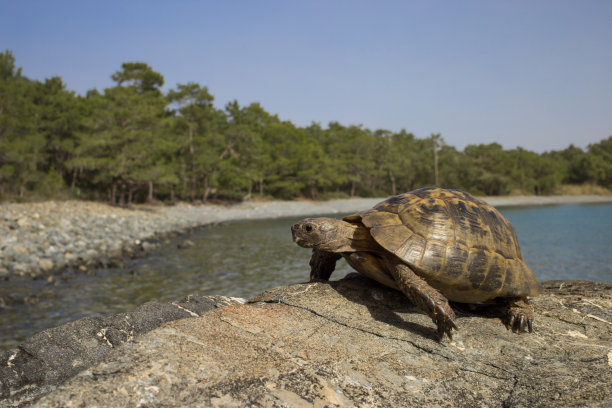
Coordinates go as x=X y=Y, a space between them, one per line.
x=131 y=142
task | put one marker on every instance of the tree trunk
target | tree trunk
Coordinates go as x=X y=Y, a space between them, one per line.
x=150 y=195
x=113 y=193
x=122 y=195
x=206 y=189
x=74 y=178
x=393 y=186
x=312 y=190
x=437 y=182
x=261 y=186
x=184 y=179
x=130 y=194
x=353 y=188
x=192 y=187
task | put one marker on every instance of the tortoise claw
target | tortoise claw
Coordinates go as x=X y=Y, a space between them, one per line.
x=431 y=304
x=510 y=324
x=522 y=324
x=443 y=317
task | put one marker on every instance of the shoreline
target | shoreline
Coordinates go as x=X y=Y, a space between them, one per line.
x=49 y=237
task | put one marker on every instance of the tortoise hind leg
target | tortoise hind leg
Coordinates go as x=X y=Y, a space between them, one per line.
x=519 y=315
x=425 y=298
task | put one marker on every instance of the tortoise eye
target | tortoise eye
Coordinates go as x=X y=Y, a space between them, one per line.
x=308 y=228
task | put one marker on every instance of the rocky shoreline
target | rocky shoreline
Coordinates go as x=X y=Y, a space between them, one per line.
x=43 y=238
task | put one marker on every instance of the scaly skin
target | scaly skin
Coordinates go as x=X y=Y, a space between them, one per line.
x=322 y=264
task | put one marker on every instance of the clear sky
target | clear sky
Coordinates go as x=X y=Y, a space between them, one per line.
x=536 y=74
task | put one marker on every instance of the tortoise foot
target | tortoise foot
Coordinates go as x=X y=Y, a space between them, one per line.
x=443 y=315
x=519 y=316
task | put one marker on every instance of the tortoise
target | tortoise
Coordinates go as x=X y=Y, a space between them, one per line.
x=434 y=245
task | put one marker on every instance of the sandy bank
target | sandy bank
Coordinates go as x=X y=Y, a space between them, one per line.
x=275 y=209
x=504 y=201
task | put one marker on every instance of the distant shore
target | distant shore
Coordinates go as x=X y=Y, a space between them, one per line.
x=43 y=238
x=503 y=201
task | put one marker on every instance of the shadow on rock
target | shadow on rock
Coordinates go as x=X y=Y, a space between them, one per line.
x=393 y=308
x=384 y=305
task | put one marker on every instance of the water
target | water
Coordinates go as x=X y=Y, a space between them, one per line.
x=244 y=258
x=565 y=241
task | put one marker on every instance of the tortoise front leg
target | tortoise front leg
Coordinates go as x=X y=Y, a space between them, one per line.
x=425 y=298
x=322 y=264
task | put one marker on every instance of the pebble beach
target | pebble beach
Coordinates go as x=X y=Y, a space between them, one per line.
x=43 y=238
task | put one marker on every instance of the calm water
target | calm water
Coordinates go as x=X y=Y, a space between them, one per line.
x=244 y=258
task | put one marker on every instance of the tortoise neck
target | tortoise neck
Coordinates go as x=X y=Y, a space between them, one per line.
x=355 y=237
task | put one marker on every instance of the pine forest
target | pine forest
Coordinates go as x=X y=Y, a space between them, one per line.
x=134 y=143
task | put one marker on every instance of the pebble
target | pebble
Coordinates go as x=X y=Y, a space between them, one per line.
x=186 y=244
x=46 y=265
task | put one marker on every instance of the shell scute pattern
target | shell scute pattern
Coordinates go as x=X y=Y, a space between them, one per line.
x=477 y=266
x=434 y=257
x=456 y=261
x=455 y=241
x=494 y=279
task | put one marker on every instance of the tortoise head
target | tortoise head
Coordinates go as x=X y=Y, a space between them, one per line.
x=319 y=233
x=328 y=234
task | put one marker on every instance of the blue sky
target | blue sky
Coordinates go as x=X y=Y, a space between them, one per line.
x=536 y=74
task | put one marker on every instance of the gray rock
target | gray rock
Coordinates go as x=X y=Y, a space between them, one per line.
x=91 y=254
x=58 y=260
x=354 y=343
x=8 y=254
x=23 y=223
x=48 y=358
x=149 y=246
x=22 y=257
x=11 y=223
x=186 y=244
x=18 y=268
x=46 y=265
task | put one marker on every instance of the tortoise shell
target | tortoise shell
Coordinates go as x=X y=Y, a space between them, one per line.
x=460 y=245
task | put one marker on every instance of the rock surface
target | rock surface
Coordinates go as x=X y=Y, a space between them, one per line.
x=355 y=343
x=48 y=358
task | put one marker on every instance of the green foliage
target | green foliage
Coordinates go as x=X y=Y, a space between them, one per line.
x=50 y=185
x=140 y=76
x=123 y=144
x=133 y=143
x=21 y=141
x=598 y=163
